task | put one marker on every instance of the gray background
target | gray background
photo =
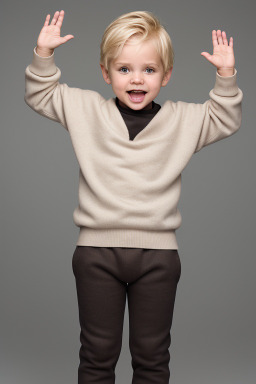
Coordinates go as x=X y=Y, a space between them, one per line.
x=213 y=333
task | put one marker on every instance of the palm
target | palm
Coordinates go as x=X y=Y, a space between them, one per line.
x=49 y=36
x=223 y=54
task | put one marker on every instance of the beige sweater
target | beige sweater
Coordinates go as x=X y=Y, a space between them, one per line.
x=129 y=189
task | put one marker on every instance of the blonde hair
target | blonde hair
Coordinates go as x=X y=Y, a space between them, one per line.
x=144 y=26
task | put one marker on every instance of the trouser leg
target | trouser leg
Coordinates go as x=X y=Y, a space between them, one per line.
x=151 y=298
x=101 y=300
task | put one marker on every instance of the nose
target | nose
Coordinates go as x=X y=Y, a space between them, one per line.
x=137 y=78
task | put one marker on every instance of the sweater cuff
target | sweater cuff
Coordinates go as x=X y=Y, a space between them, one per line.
x=225 y=85
x=43 y=66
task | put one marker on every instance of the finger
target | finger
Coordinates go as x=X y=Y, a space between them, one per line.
x=206 y=55
x=56 y=14
x=66 y=38
x=47 y=20
x=60 y=18
x=224 y=38
x=219 y=36
x=231 y=42
x=214 y=38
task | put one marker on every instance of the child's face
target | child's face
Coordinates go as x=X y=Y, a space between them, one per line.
x=136 y=68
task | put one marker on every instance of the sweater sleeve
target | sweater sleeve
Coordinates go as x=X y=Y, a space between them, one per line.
x=43 y=92
x=222 y=113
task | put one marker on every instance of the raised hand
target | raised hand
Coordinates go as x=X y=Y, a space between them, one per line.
x=223 y=54
x=49 y=37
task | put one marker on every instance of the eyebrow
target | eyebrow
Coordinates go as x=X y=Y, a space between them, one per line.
x=145 y=64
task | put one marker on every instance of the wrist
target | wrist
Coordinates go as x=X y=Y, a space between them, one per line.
x=44 y=52
x=226 y=71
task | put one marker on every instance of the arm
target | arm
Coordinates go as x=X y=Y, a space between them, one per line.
x=43 y=92
x=223 y=112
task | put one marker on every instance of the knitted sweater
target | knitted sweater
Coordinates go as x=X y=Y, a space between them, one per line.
x=129 y=189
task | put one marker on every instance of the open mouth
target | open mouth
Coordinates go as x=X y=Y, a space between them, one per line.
x=136 y=96
x=137 y=92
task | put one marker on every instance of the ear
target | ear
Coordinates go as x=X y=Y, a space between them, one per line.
x=167 y=77
x=105 y=74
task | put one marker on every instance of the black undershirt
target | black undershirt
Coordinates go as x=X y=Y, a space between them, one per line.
x=136 y=121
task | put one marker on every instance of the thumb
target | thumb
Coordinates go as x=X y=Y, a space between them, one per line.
x=207 y=56
x=66 y=38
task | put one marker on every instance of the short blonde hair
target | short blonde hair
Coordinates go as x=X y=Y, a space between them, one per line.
x=141 y=24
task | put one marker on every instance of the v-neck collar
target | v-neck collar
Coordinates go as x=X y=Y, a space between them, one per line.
x=145 y=112
x=153 y=129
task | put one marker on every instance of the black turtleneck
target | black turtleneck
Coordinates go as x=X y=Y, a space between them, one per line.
x=136 y=121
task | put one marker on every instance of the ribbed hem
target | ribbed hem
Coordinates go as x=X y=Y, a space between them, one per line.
x=127 y=238
x=226 y=85
x=43 y=66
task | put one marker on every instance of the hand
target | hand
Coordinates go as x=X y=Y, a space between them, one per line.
x=223 y=55
x=49 y=37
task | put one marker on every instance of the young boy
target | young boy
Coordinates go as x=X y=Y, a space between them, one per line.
x=131 y=152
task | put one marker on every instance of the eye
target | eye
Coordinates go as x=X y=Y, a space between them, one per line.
x=121 y=69
x=151 y=69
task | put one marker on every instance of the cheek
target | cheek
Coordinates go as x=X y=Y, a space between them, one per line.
x=120 y=84
x=155 y=81
x=155 y=84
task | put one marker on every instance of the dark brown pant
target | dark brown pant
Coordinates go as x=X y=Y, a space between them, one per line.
x=104 y=276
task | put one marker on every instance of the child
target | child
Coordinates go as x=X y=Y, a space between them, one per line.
x=131 y=152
